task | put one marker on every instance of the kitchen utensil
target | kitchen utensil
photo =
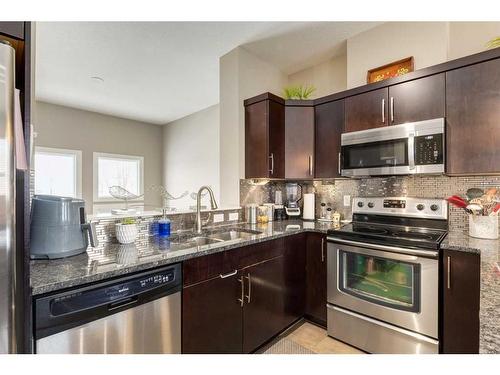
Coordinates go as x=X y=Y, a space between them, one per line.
x=476 y=209
x=457 y=201
x=495 y=210
x=474 y=193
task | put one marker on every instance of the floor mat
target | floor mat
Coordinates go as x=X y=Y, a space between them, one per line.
x=286 y=346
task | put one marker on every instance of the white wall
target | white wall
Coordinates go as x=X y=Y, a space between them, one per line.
x=327 y=77
x=427 y=42
x=242 y=75
x=64 y=127
x=191 y=155
x=467 y=38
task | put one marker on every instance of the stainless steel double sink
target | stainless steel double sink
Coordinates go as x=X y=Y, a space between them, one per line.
x=190 y=239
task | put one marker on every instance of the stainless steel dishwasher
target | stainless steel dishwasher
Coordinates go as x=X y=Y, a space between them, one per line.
x=134 y=314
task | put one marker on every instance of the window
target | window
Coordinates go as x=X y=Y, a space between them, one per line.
x=117 y=170
x=58 y=172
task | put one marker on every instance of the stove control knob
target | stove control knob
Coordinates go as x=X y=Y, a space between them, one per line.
x=434 y=207
x=371 y=204
x=420 y=207
x=360 y=204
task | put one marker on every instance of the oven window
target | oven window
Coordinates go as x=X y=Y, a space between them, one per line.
x=376 y=154
x=379 y=280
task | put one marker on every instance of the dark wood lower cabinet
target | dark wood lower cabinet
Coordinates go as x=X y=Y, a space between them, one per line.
x=460 y=306
x=211 y=316
x=315 y=308
x=263 y=312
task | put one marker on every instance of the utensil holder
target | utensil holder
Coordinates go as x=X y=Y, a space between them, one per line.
x=485 y=227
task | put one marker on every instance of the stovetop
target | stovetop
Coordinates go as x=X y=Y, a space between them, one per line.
x=391 y=235
x=402 y=221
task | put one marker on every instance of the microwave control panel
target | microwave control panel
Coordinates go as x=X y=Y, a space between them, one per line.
x=429 y=149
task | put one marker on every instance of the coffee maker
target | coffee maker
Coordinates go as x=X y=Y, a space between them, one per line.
x=293 y=192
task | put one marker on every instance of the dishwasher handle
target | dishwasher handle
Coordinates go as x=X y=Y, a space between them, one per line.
x=123 y=303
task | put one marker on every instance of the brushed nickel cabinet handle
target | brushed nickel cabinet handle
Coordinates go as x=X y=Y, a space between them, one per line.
x=228 y=274
x=323 y=250
x=310 y=165
x=242 y=299
x=272 y=163
x=383 y=111
x=249 y=296
x=392 y=108
x=339 y=164
x=448 y=272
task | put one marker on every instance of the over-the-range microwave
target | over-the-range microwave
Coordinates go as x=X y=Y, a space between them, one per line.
x=411 y=148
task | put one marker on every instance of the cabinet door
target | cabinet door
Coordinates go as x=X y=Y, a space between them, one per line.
x=316 y=278
x=418 y=100
x=263 y=312
x=366 y=111
x=299 y=142
x=472 y=119
x=329 y=123
x=276 y=140
x=295 y=278
x=257 y=163
x=211 y=316
x=460 y=318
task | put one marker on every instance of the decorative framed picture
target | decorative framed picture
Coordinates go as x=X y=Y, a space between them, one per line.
x=394 y=69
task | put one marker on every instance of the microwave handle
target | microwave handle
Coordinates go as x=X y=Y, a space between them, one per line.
x=411 y=151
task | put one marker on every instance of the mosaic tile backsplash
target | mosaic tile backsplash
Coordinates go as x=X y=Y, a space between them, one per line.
x=332 y=192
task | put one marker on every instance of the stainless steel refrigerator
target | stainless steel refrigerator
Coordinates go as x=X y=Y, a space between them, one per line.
x=7 y=201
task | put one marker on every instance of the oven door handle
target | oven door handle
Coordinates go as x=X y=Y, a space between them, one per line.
x=393 y=249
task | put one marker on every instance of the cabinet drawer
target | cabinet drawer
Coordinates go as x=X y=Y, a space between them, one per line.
x=256 y=253
x=206 y=267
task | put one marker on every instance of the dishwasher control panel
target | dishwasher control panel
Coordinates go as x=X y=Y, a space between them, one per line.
x=112 y=293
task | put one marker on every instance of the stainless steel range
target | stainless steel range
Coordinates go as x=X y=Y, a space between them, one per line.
x=383 y=275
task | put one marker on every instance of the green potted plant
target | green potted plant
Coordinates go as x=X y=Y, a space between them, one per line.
x=126 y=231
x=298 y=92
x=493 y=43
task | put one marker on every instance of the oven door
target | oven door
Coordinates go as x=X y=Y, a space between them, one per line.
x=400 y=289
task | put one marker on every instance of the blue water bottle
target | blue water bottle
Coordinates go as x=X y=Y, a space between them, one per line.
x=164 y=227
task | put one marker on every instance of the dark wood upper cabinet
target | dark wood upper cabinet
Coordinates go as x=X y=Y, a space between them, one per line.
x=329 y=123
x=460 y=316
x=265 y=137
x=212 y=317
x=12 y=29
x=417 y=100
x=299 y=142
x=367 y=111
x=472 y=119
x=316 y=278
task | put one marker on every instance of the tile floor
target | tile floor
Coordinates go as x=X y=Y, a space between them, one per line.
x=307 y=338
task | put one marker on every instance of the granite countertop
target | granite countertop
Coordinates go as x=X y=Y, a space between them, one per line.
x=114 y=259
x=489 y=313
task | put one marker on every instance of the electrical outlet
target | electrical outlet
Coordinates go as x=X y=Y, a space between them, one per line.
x=234 y=216
x=347 y=200
x=218 y=218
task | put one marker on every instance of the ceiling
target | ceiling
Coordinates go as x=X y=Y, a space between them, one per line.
x=158 y=72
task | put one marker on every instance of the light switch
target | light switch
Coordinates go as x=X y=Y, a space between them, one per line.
x=347 y=200
x=234 y=216
x=218 y=218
